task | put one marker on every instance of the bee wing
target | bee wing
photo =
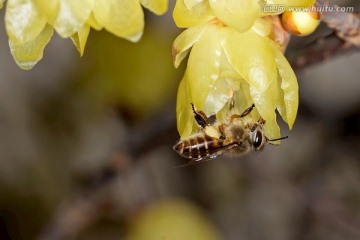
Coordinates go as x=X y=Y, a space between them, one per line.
x=194 y=161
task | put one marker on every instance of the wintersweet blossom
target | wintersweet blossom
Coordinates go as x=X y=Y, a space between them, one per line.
x=231 y=50
x=30 y=23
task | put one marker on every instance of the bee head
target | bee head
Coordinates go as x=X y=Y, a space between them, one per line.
x=259 y=139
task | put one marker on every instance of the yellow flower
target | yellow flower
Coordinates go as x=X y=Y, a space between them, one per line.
x=231 y=51
x=239 y=14
x=30 y=23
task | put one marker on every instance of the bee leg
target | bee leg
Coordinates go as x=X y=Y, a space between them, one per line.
x=261 y=121
x=234 y=116
x=247 y=111
x=200 y=117
x=232 y=103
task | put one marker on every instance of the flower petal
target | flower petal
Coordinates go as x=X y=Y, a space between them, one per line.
x=183 y=43
x=262 y=27
x=239 y=14
x=49 y=8
x=265 y=101
x=219 y=94
x=23 y=21
x=192 y=15
x=79 y=39
x=28 y=54
x=190 y=3
x=300 y=3
x=297 y=3
x=123 y=18
x=272 y=2
x=184 y=114
x=252 y=57
x=289 y=85
x=72 y=15
x=156 y=6
x=93 y=22
x=243 y=100
x=204 y=65
x=272 y=130
x=280 y=103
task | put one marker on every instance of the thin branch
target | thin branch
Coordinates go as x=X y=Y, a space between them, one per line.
x=346 y=25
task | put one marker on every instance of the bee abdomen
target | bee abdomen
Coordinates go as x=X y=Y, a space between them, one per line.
x=198 y=147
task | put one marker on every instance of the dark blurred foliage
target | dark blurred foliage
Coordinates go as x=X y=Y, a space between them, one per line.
x=86 y=151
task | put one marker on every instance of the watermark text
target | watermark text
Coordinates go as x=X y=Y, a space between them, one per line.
x=278 y=8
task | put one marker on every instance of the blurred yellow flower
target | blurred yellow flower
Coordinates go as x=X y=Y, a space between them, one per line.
x=30 y=23
x=231 y=50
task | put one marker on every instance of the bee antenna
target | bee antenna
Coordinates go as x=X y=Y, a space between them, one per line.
x=276 y=139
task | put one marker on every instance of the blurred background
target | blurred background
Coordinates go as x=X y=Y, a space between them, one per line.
x=86 y=149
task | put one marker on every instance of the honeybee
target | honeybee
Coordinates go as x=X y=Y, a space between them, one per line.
x=238 y=135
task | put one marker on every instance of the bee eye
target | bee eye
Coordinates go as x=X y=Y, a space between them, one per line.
x=258 y=139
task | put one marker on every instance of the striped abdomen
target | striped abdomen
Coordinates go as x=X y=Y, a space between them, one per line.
x=199 y=146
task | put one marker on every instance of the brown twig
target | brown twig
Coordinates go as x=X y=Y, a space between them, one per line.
x=320 y=50
x=346 y=25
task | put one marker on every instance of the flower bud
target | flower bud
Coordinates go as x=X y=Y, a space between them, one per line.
x=300 y=23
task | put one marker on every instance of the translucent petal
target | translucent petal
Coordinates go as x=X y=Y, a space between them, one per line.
x=272 y=130
x=223 y=114
x=123 y=18
x=23 y=21
x=184 y=16
x=274 y=2
x=93 y=22
x=49 y=8
x=79 y=39
x=239 y=14
x=228 y=82
x=185 y=41
x=204 y=65
x=280 y=103
x=262 y=27
x=184 y=114
x=156 y=6
x=300 y=3
x=289 y=85
x=227 y=71
x=219 y=95
x=265 y=102
x=72 y=16
x=251 y=56
x=28 y=54
x=191 y=3
x=243 y=100
x=292 y=2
